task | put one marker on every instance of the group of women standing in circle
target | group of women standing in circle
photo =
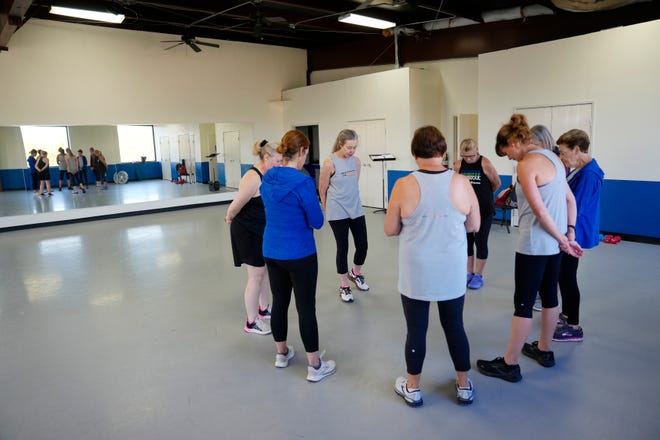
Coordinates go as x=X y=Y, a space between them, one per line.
x=438 y=214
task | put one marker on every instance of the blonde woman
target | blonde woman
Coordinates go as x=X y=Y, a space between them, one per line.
x=340 y=196
x=485 y=181
x=247 y=218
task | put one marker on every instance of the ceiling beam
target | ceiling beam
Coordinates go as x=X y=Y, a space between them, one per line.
x=11 y=18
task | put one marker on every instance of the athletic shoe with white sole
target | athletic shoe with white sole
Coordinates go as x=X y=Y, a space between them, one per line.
x=566 y=333
x=259 y=327
x=345 y=294
x=411 y=397
x=282 y=360
x=325 y=369
x=465 y=396
x=358 y=280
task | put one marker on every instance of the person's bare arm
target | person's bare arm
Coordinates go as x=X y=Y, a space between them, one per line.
x=247 y=188
x=491 y=173
x=324 y=179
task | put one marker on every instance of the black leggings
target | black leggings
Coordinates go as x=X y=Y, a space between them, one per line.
x=417 y=321
x=301 y=275
x=568 y=286
x=535 y=273
x=480 y=238
x=358 y=228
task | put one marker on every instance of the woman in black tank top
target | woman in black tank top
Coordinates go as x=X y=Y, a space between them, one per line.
x=485 y=181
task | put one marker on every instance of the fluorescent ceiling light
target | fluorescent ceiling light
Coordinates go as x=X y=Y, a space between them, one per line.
x=90 y=15
x=362 y=20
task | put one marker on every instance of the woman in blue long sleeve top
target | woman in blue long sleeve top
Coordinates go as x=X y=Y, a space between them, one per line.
x=586 y=182
x=292 y=213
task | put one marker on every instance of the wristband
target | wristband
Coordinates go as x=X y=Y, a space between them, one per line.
x=571 y=227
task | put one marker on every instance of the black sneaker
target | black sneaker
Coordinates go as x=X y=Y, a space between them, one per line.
x=544 y=358
x=498 y=368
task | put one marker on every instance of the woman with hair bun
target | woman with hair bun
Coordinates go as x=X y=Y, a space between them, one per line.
x=547 y=214
x=247 y=218
x=292 y=213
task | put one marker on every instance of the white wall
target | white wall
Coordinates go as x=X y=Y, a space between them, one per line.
x=66 y=74
x=617 y=69
x=384 y=95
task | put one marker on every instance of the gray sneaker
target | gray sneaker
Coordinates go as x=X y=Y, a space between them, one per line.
x=259 y=327
x=324 y=370
x=282 y=360
x=411 y=397
x=465 y=396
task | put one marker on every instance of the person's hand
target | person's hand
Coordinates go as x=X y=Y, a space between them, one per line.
x=227 y=220
x=572 y=248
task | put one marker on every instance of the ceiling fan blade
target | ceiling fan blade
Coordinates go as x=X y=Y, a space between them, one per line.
x=174 y=45
x=194 y=46
x=204 y=43
x=170 y=41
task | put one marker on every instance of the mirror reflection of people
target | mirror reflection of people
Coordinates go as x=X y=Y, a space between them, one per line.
x=292 y=213
x=485 y=182
x=247 y=220
x=62 y=164
x=586 y=182
x=340 y=196
x=34 y=174
x=82 y=166
x=100 y=169
x=43 y=167
x=547 y=213
x=432 y=210
x=73 y=172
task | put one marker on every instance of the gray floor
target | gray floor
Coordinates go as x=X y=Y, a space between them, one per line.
x=131 y=328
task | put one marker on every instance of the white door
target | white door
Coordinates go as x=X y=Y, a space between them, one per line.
x=165 y=160
x=465 y=127
x=232 y=152
x=373 y=175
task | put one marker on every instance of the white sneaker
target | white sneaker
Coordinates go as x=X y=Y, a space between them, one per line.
x=282 y=360
x=259 y=327
x=358 y=280
x=537 y=307
x=326 y=369
x=412 y=398
x=345 y=294
x=465 y=395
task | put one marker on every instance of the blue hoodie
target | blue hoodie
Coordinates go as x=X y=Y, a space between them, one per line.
x=292 y=210
x=586 y=185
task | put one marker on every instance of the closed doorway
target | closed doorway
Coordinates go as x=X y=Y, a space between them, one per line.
x=373 y=175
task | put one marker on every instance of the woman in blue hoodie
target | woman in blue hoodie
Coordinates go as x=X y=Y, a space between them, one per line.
x=586 y=182
x=293 y=211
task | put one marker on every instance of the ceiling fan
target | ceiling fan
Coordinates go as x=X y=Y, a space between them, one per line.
x=191 y=41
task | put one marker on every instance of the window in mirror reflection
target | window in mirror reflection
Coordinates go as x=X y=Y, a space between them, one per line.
x=135 y=142
x=50 y=139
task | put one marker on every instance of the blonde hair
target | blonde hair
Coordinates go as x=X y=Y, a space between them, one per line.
x=345 y=135
x=468 y=145
x=264 y=148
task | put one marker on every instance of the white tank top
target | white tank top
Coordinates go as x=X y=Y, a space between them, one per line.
x=433 y=243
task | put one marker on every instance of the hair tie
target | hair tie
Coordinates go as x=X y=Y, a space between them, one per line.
x=264 y=142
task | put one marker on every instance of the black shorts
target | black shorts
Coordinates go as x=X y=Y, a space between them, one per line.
x=246 y=245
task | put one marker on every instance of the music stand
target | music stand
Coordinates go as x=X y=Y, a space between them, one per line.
x=382 y=157
x=214 y=185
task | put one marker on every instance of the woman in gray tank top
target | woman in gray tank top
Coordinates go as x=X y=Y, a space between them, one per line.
x=432 y=210
x=340 y=197
x=546 y=210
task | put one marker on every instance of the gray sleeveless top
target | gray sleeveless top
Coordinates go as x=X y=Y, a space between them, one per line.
x=433 y=243
x=343 y=198
x=533 y=239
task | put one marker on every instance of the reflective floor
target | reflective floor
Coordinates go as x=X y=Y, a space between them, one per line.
x=132 y=328
x=24 y=208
